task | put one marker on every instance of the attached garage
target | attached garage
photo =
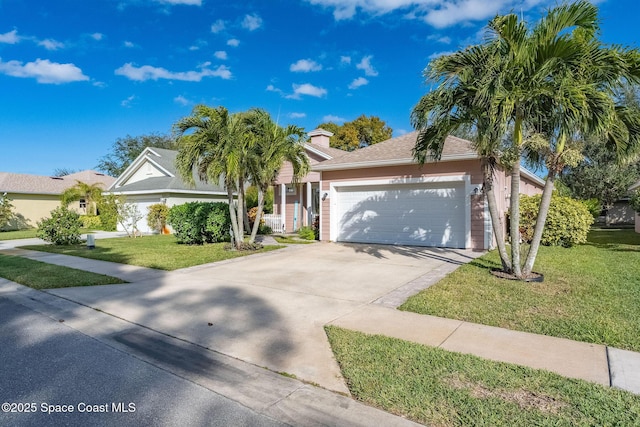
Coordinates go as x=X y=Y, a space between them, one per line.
x=433 y=213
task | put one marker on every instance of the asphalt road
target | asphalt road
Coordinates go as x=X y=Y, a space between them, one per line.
x=52 y=375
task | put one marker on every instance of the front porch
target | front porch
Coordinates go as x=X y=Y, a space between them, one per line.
x=297 y=205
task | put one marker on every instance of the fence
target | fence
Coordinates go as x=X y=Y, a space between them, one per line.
x=274 y=221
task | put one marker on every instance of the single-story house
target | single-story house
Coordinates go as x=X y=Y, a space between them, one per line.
x=153 y=178
x=35 y=196
x=379 y=194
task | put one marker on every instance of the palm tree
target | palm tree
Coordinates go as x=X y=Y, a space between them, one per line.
x=91 y=193
x=214 y=143
x=272 y=146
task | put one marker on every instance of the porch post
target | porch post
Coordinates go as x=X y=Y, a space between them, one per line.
x=300 y=213
x=309 y=206
x=283 y=206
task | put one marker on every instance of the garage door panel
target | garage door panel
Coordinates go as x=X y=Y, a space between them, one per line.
x=422 y=215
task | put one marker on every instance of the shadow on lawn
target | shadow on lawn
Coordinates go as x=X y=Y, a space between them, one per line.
x=81 y=250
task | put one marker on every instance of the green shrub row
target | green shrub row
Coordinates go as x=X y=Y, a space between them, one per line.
x=195 y=223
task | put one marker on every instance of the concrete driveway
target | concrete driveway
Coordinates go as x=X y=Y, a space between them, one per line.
x=270 y=309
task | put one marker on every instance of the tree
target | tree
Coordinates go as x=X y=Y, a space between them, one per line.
x=91 y=193
x=359 y=133
x=59 y=172
x=6 y=210
x=125 y=150
x=271 y=145
x=544 y=88
x=128 y=216
x=215 y=144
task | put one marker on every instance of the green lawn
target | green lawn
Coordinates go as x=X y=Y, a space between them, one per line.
x=156 y=251
x=39 y=275
x=590 y=293
x=441 y=388
x=292 y=240
x=18 y=234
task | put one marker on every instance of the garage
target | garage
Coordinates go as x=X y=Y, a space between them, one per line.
x=421 y=214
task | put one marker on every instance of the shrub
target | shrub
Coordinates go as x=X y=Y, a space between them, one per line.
x=265 y=229
x=63 y=228
x=634 y=201
x=594 y=206
x=6 y=213
x=157 y=216
x=567 y=223
x=307 y=233
x=195 y=223
x=244 y=246
x=108 y=209
x=91 y=222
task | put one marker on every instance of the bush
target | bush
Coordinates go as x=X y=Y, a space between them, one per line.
x=157 y=217
x=594 y=206
x=265 y=229
x=108 y=209
x=567 y=223
x=63 y=228
x=91 y=222
x=307 y=233
x=6 y=211
x=195 y=223
x=244 y=246
x=634 y=202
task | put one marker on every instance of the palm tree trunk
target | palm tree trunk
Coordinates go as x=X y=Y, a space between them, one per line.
x=514 y=207
x=496 y=223
x=232 y=214
x=239 y=214
x=543 y=211
x=256 y=224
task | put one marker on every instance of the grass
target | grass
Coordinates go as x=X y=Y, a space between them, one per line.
x=441 y=388
x=590 y=293
x=18 y=234
x=156 y=251
x=292 y=240
x=40 y=275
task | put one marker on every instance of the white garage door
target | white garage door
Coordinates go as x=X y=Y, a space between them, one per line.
x=419 y=215
x=142 y=205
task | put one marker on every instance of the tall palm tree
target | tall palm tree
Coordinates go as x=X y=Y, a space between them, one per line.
x=91 y=193
x=214 y=143
x=272 y=146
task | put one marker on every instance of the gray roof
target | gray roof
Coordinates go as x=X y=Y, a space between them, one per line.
x=39 y=184
x=166 y=159
x=329 y=151
x=397 y=149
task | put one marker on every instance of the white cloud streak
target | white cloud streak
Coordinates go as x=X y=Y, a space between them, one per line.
x=44 y=71
x=218 y=26
x=183 y=2
x=233 y=42
x=307 y=89
x=365 y=65
x=297 y=115
x=360 y=81
x=148 y=72
x=51 y=44
x=333 y=119
x=181 y=100
x=10 y=38
x=221 y=54
x=251 y=22
x=305 y=66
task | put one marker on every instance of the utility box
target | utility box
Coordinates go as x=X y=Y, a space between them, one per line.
x=91 y=241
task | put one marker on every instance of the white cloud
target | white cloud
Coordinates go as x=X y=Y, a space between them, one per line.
x=218 y=26
x=127 y=102
x=233 y=42
x=305 y=66
x=97 y=36
x=366 y=66
x=181 y=100
x=345 y=60
x=194 y=48
x=445 y=40
x=128 y=44
x=221 y=54
x=51 y=44
x=437 y=54
x=272 y=88
x=334 y=119
x=148 y=72
x=44 y=71
x=307 y=89
x=185 y=2
x=10 y=38
x=360 y=81
x=251 y=22
x=297 y=115
x=451 y=13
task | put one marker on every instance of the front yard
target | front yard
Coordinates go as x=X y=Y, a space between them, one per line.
x=18 y=234
x=590 y=293
x=157 y=251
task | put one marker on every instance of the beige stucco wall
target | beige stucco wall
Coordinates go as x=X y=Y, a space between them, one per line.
x=31 y=208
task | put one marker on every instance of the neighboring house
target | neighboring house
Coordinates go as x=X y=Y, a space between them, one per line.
x=153 y=178
x=35 y=196
x=298 y=204
x=379 y=194
x=636 y=215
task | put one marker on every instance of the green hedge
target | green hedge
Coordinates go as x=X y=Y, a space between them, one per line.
x=567 y=224
x=196 y=223
x=91 y=222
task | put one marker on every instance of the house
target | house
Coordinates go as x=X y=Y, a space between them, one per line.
x=35 y=196
x=379 y=194
x=636 y=218
x=153 y=178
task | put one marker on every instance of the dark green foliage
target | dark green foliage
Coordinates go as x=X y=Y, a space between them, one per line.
x=125 y=150
x=244 y=246
x=91 y=222
x=265 y=229
x=108 y=212
x=568 y=221
x=157 y=216
x=196 y=223
x=6 y=213
x=307 y=233
x=251 y=198
x=63 y=228
x=634 y=202
x=594 y=206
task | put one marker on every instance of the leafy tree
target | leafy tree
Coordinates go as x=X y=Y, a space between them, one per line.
x=6 y=210
x=634 y=202
x=215 y=144
x=128 y=216
x=544 y=88
x=359 y=133
x=59 y=172
x=91 y=193
x=251 y=197
x=125 y=150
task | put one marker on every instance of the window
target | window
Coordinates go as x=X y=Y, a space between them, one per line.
x=83 y=204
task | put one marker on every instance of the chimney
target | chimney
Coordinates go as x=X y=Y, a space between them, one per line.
x=320 y=137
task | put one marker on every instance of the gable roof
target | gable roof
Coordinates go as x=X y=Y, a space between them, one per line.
x=40 y=184
x=326 y=152
x=163 y=161
x=396 y=151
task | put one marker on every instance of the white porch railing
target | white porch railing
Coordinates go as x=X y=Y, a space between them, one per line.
x=274 y=221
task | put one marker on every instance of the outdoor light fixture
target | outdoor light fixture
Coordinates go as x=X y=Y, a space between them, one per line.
x=324 y=196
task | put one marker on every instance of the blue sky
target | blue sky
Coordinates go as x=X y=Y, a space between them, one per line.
x=75 y=75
